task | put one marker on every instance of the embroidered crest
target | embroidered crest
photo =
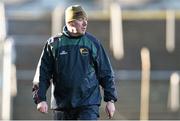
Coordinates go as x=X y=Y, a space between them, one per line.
x=84 y=51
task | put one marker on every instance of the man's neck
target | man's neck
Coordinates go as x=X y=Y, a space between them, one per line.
x=74 y=34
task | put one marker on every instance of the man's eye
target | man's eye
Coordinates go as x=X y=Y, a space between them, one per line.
x=81 y=19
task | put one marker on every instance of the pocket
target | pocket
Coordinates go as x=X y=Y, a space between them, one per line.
x=88 y=87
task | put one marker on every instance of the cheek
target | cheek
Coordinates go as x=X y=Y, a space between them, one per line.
x=78 y=27
x=78 y=24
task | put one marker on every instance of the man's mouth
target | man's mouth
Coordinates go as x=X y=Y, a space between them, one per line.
x=83 y=29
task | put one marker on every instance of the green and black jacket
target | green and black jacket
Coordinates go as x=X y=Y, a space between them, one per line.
x=77 y=67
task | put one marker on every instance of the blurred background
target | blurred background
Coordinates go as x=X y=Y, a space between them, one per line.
x=140 y=36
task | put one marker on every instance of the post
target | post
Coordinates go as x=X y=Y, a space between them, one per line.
x=6 y=84
x=145 y=84
x=2 y=22
x=173 y=98
x=170 y=30
x=116 y=40
x=57 y=19
x=1 y=75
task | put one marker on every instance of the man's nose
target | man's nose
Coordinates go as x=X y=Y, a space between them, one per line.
x=84 y=22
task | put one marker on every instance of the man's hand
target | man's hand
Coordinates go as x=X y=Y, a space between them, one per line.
x=42 y=107
x=110 y=109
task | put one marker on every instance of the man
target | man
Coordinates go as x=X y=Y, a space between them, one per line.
x=77 y=64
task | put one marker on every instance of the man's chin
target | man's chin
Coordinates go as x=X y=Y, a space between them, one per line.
x=83 y=32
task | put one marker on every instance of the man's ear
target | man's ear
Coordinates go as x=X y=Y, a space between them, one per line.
x=71 y=23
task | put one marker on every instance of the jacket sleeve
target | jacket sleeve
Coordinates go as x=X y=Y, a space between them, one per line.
x=43 y=75
x=105 y=75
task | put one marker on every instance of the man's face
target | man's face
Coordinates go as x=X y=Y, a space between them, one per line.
x=80 y=26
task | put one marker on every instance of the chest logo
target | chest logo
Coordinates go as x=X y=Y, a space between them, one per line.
x=63 y=52
x=84 y=51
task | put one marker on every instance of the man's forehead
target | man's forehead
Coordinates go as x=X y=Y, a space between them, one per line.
x=82 y=18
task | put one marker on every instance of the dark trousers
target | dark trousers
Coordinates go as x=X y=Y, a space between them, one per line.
x=82 y=113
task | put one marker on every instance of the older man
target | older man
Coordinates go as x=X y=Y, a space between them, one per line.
x=77 y=64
